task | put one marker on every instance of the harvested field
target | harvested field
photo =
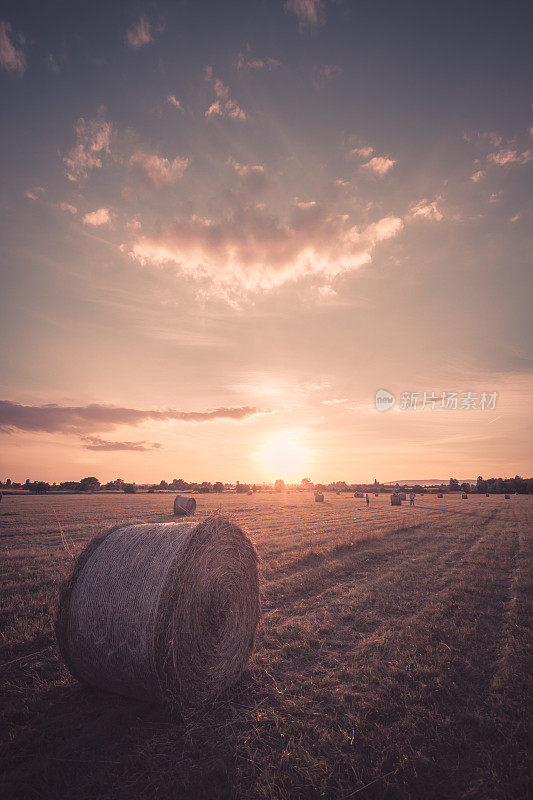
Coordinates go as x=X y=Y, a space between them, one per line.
x=392 y=659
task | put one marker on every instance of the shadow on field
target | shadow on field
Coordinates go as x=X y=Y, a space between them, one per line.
x=83 y=742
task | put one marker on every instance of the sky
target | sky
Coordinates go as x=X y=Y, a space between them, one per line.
x=226 y=226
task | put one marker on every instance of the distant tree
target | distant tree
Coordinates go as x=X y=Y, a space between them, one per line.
x=129 y=488
x=242 y=488
x=481 y=484
x=163 y=485
x=465 y=487
x=180 y=485
x=39 y=487
x=69 y=486
x=89 y=485
x=279 y=486
x=454 y=485
x=306 y=484
x=8 y=482
x=205 y=487
x=218 y=486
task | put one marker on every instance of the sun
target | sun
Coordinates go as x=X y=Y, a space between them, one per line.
x=283 y=455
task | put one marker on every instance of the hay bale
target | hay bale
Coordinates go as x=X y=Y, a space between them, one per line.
x=440 y=495
x=395 y=500
x=165 y=612
x=184 y=506
x=359 y=495
x=507 y=496
x=487 y=494
x=319 y=497
x=464 y=496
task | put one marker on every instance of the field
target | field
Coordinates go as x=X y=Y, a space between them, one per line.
x=393 y=658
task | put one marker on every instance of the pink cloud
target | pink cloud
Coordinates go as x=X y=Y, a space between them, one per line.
x=309 y=13
x=245 y=61
x=325 y=73
x=139 y=35
x=507 y=156
x=172 y=100
x=477 y=176
x=93 y=141
x=101 y=216
x=159 y=171
x=68 y=207
x=223 y=106
x=427 y=209
x=362 y=152
x=12 y=56
x=379 y=165
x=254 y=250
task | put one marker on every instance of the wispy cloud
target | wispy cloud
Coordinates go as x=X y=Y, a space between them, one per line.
x=159 y=171
x=34 y=193
x=99 y=417
x=172 y=100
x=477 y=176
x=253 y=250
x=252 y=176
x=224 y=105
x=12 y=55
x=68 y=207
x=102 y=216
x=309 y=13
x=379 y=165
x=140 y=34
x=93 y=142
x=246 y=61
x=508 y=156
x=427 y=209
x=96 y=443
x=52 y=64
x=324 y=74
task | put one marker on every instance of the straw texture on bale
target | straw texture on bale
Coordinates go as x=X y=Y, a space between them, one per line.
x=507 y=496
x=464 y=496
x=184 y=506
x=165 y=612
x=395 y=500
x=319 y=497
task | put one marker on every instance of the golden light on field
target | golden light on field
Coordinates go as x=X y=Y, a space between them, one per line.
x=284 y=456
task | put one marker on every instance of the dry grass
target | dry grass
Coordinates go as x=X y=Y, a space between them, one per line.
x=392 y=660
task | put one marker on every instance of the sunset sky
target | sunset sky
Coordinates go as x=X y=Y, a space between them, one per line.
x=226 y=225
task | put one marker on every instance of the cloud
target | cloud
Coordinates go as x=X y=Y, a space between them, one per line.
x=507 y=156
x=52 y=64
x=253 y=250
x=96 y=443
x=309 y=13
x=245 y=61
x=325 y=73
x=379 y=165
x=158 y=171
x=12 y=56
x=68 y=207
x=252 y=176
x=93 y=141
x=477 y=176
x=35 y=193
x=223 y=106
x=362 y=152
x=427 y=209
x=139 y=35
x=101 y=216
x=99 y=417
x=172 y=100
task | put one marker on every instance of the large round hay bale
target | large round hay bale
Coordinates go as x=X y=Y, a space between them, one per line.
x=464 y=496
x=165 y=612
x=319 y=497
x=395 y=500
x=507 y=496
x=184 y=506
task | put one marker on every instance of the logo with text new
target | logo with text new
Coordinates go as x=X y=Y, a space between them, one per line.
x=384 y=400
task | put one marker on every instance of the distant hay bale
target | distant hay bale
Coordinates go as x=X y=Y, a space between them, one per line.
x=358 y=494
x=395 y=500
x=163 y=612
x=376 y=494
x=464 y=496
x=507 y=496
x=250 y=492
x=440 y=495
x=184 y=506
x=319 y=497
x=487 y=495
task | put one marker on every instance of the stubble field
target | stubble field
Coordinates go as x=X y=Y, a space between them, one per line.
x=393 y=658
